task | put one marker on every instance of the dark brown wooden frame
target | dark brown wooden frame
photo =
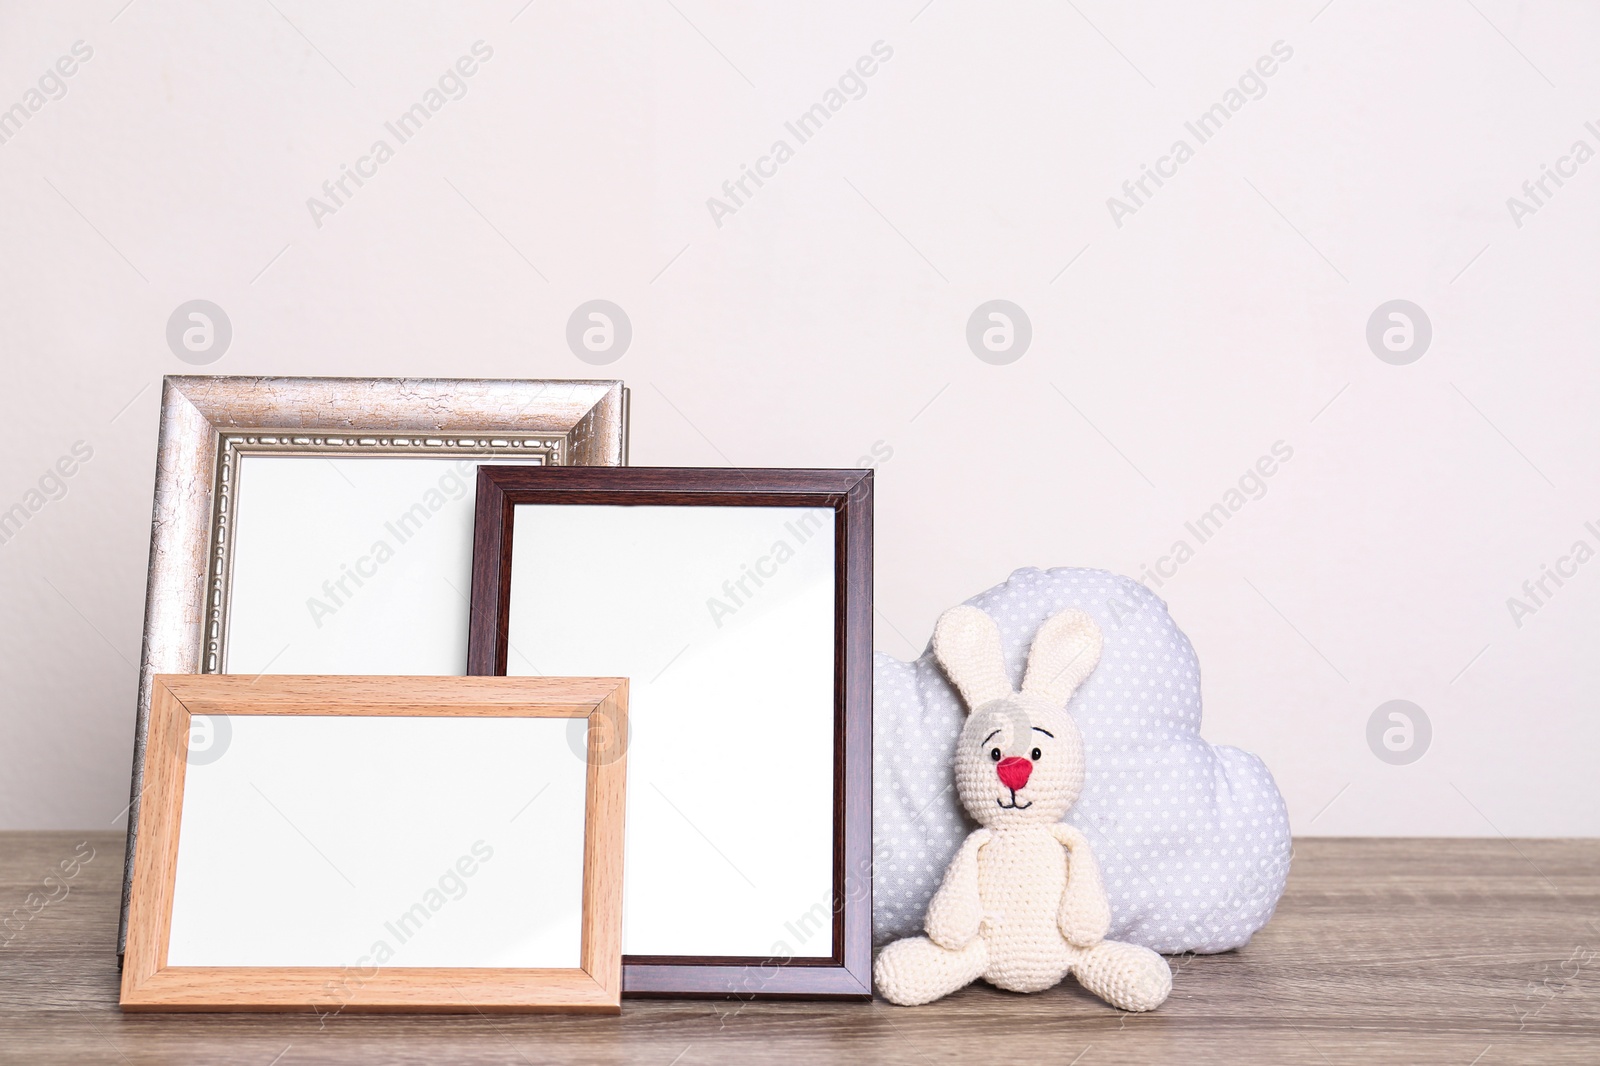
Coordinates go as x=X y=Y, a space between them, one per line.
x=847 y=973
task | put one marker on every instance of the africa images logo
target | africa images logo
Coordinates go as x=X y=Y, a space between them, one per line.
x=451 y=85
x=851 y=85
x=1251 y=85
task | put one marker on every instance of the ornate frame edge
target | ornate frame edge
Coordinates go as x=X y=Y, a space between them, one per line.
x=196 y=412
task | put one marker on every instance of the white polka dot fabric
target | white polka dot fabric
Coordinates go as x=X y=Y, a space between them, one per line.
x=1193 y=839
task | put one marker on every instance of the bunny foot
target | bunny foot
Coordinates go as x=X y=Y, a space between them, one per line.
x=1124 y=975
x=916 y=970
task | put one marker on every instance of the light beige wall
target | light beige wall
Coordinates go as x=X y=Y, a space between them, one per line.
x=823 y=322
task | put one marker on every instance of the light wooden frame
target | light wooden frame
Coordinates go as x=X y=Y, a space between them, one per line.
x=148 y=983
x=208 y=423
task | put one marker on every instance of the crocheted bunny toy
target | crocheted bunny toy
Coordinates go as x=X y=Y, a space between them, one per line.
x=1022 y=904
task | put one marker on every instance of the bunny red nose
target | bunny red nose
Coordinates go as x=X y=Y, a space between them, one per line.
x=1014 y=772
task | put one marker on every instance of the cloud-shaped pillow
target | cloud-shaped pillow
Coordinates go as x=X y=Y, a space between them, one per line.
x=1193 y=839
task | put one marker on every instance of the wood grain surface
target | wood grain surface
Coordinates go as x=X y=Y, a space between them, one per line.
x=1463 y=952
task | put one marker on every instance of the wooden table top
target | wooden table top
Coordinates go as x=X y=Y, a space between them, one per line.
x=1465 y=952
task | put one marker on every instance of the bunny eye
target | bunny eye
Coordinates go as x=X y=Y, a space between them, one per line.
x=994 y=753
x=1037 y=754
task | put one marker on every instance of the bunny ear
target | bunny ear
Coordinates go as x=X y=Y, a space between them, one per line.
x=1065 y=652
x=967 y=644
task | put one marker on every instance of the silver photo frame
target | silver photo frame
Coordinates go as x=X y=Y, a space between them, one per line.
x=216 y=430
